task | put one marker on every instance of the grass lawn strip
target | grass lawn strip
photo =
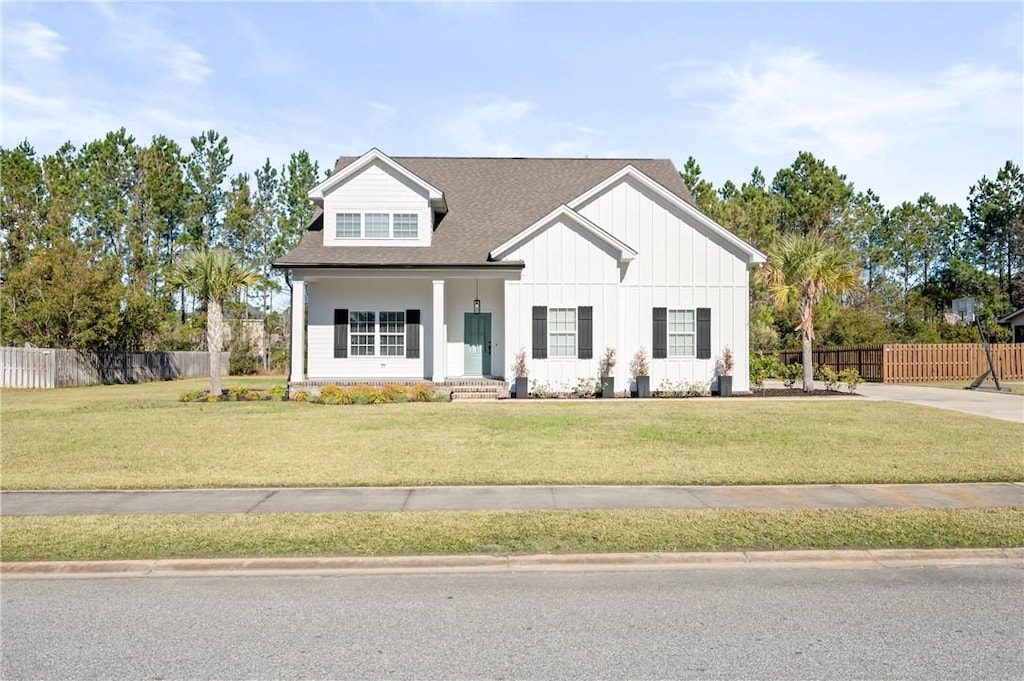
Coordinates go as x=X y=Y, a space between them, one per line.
x=500 y=533
x=140 y=437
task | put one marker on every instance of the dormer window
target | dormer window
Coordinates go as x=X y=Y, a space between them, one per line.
x=377 y=226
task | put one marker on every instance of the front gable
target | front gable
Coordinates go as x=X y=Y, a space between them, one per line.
x=375 y=202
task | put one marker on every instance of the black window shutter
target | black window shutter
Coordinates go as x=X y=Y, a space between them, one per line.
x=703 y=333
x=412 y=334
x=659 y=344
x=341 y=333
x=540 y=332
x=585 y=339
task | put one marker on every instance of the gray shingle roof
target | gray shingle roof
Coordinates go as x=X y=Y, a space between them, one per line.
x=490 y=200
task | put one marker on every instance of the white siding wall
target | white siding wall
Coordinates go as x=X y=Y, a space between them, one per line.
x=565 y=267
x=679 y=265
x=458 y=300
x=377 y=294
x=377 y=188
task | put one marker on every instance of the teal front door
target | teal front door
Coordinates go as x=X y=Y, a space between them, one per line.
x=477 y=340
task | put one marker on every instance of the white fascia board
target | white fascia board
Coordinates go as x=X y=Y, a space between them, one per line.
x=626 y=252
x=435 y=195
x=754 y=256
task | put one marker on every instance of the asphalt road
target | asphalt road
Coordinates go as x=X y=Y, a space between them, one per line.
x=908 y=623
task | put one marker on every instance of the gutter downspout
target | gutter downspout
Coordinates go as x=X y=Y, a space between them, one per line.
x=291 y=297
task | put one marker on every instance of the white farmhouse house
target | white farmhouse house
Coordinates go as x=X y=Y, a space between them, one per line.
x=442 y=269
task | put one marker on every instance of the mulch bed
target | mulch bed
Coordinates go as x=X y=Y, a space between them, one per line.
x=794 y=392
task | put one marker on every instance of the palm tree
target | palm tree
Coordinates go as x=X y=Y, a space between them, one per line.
x=212 y=276
x=802 y=270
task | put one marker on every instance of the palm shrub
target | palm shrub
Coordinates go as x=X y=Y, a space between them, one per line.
x=212 y=275
x=800 y=271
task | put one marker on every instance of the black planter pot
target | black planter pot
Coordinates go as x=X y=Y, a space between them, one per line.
x=725 y=386
x=607 y=386
x=522 y=388
x=643 y=386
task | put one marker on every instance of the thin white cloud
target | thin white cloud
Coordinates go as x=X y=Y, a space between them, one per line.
x=773 y=100
x=483 y=126
x=32 y=40
x=134 y=31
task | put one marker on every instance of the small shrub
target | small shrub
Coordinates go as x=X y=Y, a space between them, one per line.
x=790 y=374
x=538 y=389
x=277 y=392
x=640 y=365
x=697 y=389
x=393 y=393
x=212 y=398
x=726 y=364
x=300 y=396
x=421 y=392
x=850 y=378
x=193 y=396
x=519 y=368
x=830 y=378
x=585 y=387
x=607 y=362
x=762 y=367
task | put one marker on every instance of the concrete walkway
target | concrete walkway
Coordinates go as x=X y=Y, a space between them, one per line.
x=1002 y=406
x=533 y=497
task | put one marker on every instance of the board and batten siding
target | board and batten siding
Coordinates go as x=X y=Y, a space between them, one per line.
x=566 y=267
x=377 y=189
x=370 y=294
x=680 y=265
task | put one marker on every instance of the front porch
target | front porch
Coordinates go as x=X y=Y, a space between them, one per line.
x=387 y=327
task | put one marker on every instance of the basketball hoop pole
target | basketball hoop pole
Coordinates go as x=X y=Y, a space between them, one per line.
x=976 y=383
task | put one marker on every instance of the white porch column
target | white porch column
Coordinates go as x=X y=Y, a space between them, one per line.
x=297 y=354
x=440 y=344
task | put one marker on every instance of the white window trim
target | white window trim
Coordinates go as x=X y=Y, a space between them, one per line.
x=363 y=215
x=572 y=352
x=378 y=334
x=691 y=334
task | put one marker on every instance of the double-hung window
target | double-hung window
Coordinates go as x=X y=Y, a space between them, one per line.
x=378 y=226
x=682 y=333
x=562 y=331
x=348 y=226
x=376 y=334
x=405 y=226
x=392 y=334
x=362 y=333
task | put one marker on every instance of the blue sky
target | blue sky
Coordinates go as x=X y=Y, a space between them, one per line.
x=902 y=97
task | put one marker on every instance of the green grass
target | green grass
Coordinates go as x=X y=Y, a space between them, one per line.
x=131 y=437
x=1016 y=388
x=499 y=533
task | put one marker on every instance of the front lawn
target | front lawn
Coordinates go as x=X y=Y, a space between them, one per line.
x=139 y=436
x=501 y=532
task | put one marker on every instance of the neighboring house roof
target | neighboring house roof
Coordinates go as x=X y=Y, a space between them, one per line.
x=489 y=201
x=1012 y=316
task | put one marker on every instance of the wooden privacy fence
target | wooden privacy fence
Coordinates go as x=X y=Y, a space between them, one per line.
x=909 y=363
x=55 y=368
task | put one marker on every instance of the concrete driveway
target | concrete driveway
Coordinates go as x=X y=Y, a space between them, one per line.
x=1002 y=406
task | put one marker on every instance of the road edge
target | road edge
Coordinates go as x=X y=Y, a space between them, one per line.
x=207 y=567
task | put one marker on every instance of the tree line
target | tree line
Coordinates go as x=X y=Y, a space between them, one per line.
x=913 y=259
x=90 y=235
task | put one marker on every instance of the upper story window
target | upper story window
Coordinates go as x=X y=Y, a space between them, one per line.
x=377 y=226
x=406 y=226
x=349 y=226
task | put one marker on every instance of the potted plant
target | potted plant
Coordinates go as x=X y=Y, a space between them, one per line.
x=641 y=370
x=607 y=366
x=521 y=373
x=725 y=365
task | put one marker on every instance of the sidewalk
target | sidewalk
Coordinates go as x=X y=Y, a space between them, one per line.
x=534 y=497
